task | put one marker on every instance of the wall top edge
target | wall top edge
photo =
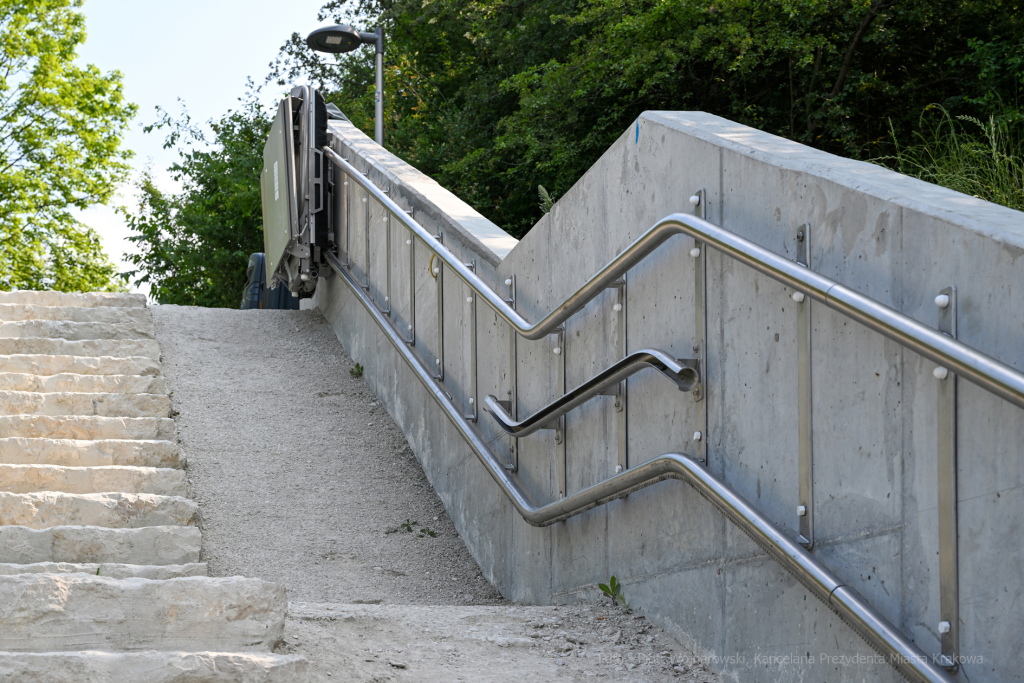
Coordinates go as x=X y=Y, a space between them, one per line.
x=479 y=234
x=992 y=220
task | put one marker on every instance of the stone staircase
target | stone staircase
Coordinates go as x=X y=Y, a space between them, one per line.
x=100 y=572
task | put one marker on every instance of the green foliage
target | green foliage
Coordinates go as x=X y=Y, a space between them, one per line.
x=60 y=136
x=194 y=247
x=357 y=371
x=983 y=159
x=497 y=97
x=613 y=590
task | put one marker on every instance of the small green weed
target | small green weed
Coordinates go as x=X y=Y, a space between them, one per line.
x=613 y=589
x=408 y=526
x=357 y=371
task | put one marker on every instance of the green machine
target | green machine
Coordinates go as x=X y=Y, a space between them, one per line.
x=295 y=185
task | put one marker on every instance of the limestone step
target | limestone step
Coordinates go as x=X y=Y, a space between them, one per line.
x=33 y=478
x=73 y=331
x=90 y=299
x=44 y=509
x=78 y=314
x=94 y=384
x=97 y=453
x=86 y=427
x=152 y=667
x=117 y=348
x=69 y=612
x=43 y=365
x=79 y=403
x=153 y=545
x=111 y=570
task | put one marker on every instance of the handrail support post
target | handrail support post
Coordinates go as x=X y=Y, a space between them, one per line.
x=805 y=507
x=621 y=412
x=699 y=255
x=560 y=454
x=949 y=603
x=513 y=378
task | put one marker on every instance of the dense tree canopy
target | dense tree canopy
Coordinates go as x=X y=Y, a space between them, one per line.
x=496 y=97
x=60 y=135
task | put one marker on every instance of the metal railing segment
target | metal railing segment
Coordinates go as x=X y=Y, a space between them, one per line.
x=984 y=371
x=778 y=542
x=681 y=371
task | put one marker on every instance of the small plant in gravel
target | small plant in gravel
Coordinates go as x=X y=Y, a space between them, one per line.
x=408 y=526
x=357 y=371
x=613 y=589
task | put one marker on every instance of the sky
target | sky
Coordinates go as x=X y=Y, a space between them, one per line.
x=199 y=51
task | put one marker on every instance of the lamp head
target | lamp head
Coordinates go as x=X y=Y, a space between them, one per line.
x=335 y=39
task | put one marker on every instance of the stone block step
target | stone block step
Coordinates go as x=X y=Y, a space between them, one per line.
x=78 y=403
x=43 y=365
x=115 y=509
x=110 y=570
x=34 y=478
x=87 y=427
x=93 y=384
x=152 y=667
x=117 y=348
x=89 y=299
x=153 y=545
x=98 y=453
x=78 y=314
x=72 y=331
x=69 y=612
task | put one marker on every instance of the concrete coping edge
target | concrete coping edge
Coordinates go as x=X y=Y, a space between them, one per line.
x=482 y=236
x=997 y=222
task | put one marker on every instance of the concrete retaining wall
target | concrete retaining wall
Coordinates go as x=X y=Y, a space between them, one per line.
x=892 y=238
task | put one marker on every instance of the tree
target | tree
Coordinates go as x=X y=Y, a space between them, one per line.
x=60 y=137
x=194 y=247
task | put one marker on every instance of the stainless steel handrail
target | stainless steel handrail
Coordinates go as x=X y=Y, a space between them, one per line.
x=684 y=375
x=776 y=541
x=984 y=371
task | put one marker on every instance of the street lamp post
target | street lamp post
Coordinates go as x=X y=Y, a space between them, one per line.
x=343 y=38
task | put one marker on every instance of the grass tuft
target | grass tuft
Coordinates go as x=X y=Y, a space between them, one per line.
x=982 y=159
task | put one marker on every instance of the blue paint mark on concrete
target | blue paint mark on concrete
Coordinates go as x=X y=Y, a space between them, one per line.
x=638 y=131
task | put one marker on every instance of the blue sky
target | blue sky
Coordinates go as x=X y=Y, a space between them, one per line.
x=200 y=51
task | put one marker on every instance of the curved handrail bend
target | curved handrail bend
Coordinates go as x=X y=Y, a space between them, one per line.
x=682 y=372
x=984 y=371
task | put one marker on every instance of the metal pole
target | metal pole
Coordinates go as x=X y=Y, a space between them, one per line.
x=378 y=123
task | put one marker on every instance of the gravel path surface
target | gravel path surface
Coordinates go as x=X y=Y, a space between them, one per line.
x=301 y=477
